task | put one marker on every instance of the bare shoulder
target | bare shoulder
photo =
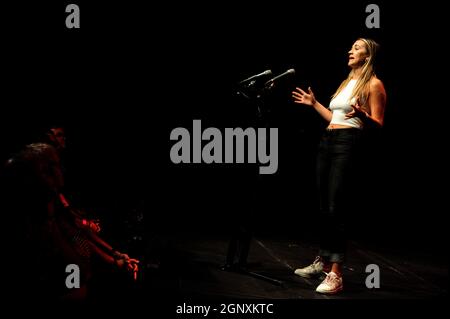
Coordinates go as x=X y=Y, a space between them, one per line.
x=376 y=85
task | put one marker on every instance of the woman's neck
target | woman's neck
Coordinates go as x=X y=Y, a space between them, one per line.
x=356 y=73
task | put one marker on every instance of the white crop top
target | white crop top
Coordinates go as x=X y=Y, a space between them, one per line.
x=341 y=105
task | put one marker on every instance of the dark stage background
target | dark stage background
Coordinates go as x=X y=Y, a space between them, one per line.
x=135 y=71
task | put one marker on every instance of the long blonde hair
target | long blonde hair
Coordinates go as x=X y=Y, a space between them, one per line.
x=361 y=90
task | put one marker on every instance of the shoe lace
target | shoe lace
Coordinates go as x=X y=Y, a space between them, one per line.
x=331 y=277
x=316 y=263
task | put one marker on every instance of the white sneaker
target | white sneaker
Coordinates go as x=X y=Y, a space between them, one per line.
x=331 y=285
x=313 y=270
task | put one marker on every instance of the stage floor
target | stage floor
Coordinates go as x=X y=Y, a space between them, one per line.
x=402 y=276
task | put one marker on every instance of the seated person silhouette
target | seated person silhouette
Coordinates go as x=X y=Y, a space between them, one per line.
x=48 y=234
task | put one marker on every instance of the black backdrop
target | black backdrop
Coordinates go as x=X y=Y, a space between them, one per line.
x=135 y=71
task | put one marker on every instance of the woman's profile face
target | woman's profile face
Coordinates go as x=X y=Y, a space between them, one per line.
x=357 y=54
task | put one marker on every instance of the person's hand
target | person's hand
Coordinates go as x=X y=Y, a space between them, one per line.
x=94 y=225
x=357 y=111
x=130 y=264
x=302 y=97
x=119 y=255
x=123 y=259
x=88 y=224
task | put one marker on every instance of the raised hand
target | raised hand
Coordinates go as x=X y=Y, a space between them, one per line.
x=356 y=112
x=302 y=97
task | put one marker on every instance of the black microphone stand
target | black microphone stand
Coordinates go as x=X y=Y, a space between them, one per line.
x=256 y=94
x=240 y=243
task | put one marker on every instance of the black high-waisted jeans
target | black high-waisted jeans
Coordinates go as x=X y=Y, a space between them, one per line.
x=335 y=171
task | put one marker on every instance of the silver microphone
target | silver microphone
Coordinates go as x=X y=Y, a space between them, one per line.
x=257 y=76
x=271 y=81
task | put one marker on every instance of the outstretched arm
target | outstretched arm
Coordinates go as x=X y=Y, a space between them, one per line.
x=100 y=247
x=308 y=98
x=111 y=256
x=79 y=217
x=100 y=242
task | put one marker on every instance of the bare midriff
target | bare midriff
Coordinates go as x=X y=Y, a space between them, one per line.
x=337 y=126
